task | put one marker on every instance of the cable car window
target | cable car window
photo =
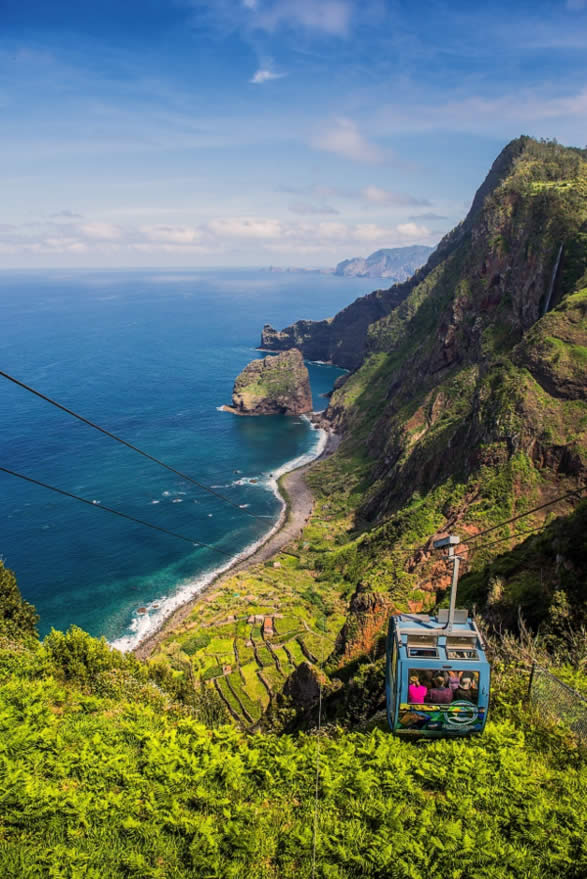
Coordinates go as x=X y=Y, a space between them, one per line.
x=441 y=687
x=423 y=652
x=462 y=653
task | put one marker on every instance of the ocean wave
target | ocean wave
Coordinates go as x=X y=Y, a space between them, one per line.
x=145 y=624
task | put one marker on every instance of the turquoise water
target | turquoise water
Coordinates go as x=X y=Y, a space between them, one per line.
x=149 y=356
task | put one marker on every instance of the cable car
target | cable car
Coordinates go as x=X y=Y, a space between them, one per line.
x=437 y=674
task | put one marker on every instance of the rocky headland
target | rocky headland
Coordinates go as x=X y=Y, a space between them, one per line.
x=395 y=263
x=275 y=385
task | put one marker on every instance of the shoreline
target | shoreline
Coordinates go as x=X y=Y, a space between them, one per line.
x=298 y=503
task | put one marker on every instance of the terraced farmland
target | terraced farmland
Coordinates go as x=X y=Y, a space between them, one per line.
x=246 y=638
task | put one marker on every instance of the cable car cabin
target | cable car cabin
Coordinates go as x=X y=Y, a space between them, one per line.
x=437 y=679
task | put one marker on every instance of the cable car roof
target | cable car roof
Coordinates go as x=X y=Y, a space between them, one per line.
x=424 y=637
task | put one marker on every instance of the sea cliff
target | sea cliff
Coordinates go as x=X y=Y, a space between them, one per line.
x=275 y=385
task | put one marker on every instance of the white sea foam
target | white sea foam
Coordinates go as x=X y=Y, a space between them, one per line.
x=158 y=610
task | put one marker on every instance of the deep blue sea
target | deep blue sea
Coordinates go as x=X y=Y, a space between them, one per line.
x=150 y=356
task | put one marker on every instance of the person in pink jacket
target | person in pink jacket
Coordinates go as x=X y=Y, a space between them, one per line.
x=416 y=691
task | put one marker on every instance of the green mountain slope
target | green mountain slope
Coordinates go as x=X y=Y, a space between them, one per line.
x=471 y=404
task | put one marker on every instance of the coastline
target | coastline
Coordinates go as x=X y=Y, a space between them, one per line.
x=298 y=503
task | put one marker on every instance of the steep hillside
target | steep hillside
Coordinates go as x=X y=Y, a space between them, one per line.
x=471 y=404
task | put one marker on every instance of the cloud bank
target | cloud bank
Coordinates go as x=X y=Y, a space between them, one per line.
x=216 y=236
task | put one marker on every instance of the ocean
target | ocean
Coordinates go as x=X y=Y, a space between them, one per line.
x=149 y=356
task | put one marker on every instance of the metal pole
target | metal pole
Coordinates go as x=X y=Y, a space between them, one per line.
x=530 y=682
x=453 y=587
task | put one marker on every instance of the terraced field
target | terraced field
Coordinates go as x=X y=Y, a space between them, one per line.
x=246 y=638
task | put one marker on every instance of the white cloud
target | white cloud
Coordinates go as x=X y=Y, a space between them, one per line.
x=218 y=236
x=245 y=227
x=101 y=231
x=161 y=234
x=480 y=114
x=377 y=195
x=331 y=17
x=309 y=209
x=262 y=76
x=344 y=139
x=430 y=216
x=412 y=230
x=66 y=215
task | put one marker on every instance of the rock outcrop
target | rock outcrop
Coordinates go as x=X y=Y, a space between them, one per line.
x=276 y=385
x=340 y=340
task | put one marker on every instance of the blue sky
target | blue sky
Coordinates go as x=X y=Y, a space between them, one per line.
x=256 y=132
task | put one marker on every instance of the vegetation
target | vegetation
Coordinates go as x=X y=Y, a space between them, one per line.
x=124 y=784
x=18 y=618
x=468 y=410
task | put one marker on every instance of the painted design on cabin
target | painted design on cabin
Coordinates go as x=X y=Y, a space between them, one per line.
x=457 y=717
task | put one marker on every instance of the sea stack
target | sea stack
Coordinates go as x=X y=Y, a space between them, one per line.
x=275 y=385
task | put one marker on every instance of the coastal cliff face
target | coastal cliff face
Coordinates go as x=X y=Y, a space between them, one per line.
x=276 y=385
x=468 y=362
x=341 y=340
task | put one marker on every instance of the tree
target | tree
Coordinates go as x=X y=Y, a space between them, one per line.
x=18 y=618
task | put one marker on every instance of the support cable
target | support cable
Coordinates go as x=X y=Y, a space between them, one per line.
x=399 y=556
x=502 y=539
x=100 y=506
x=130 y=446
x=561 y=497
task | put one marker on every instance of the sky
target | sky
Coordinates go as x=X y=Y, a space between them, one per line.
x=266 y=132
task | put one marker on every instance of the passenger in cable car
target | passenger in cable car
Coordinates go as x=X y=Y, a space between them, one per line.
x=417 y=691
x=467 y=690
x=454 y=680
x=440 y=693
